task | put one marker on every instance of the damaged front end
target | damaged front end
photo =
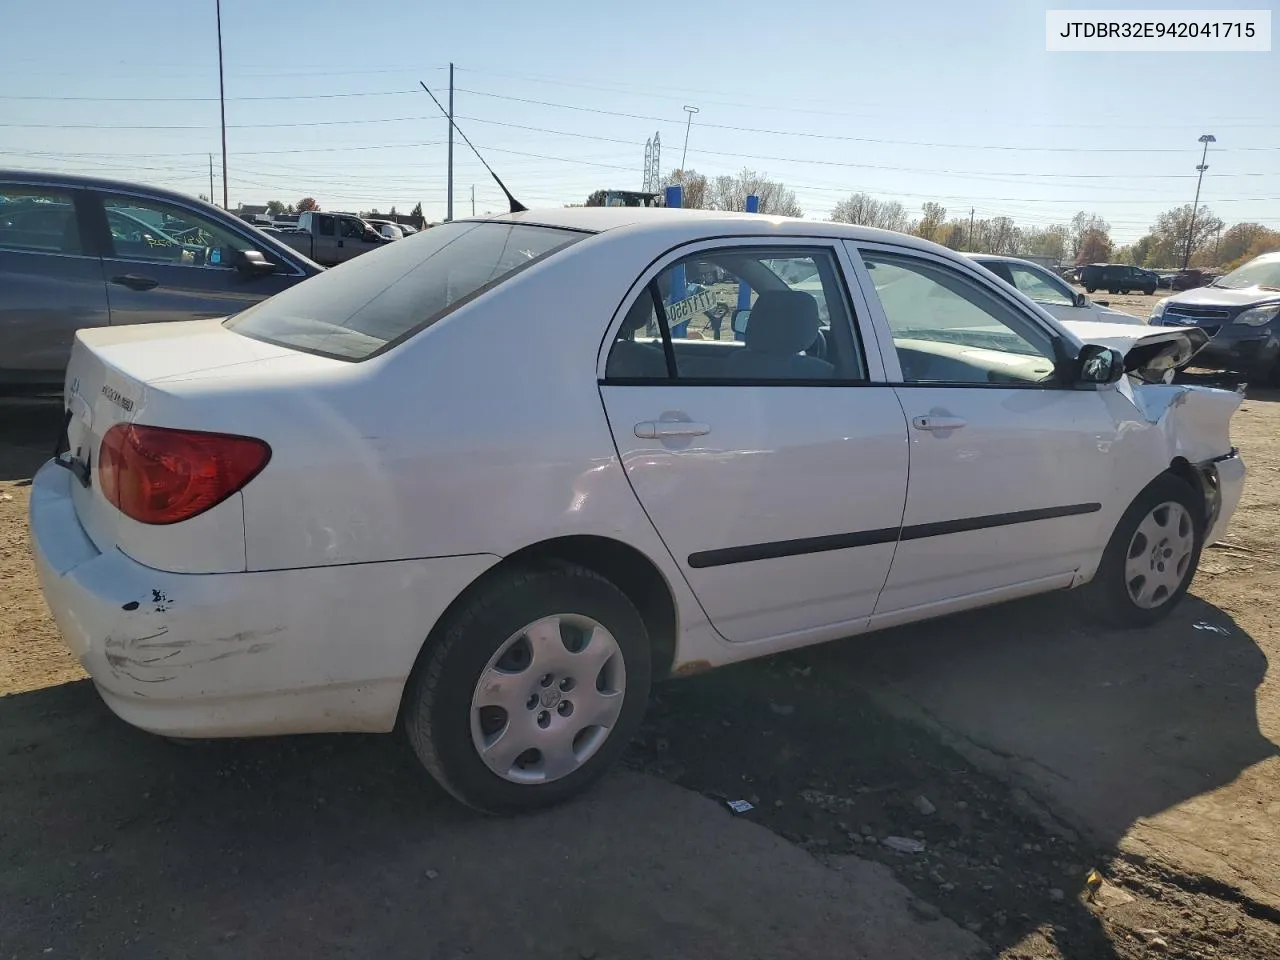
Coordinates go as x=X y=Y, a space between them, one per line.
x=1196 y=424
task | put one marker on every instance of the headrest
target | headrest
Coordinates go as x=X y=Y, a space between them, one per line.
x=639 y=314
x=782 y=322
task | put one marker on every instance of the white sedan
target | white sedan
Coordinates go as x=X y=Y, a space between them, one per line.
x=470 y=481
x=1049 y=290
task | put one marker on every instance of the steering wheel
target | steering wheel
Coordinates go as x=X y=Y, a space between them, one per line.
x=818 y=348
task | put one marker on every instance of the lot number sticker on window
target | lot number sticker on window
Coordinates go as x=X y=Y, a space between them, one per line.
x=690 y=307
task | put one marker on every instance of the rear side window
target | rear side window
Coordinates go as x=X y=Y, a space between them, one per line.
x=352 y=311
x=38 y=220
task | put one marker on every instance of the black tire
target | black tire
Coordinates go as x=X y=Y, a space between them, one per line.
x=438 y=699
x=1124 y=291
x=1110 y=594
x=1148 y=291
x=1091 y=289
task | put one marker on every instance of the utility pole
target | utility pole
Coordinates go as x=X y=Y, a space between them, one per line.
x=222 y=103
x=1206 y=139
x=449 y=214
x=211 y=178
x=473 y=199
x=688 y=123
x=1217 y=238
x=971 y=229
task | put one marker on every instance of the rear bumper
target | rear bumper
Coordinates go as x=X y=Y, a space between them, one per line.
x=321 y=649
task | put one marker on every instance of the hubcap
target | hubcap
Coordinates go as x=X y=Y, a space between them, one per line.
x=548 y=699
x=1159 y=555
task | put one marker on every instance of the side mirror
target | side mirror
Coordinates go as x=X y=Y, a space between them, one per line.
x=739 y=322
x=1081 y=300
x=1097 y=364
x=252 y=263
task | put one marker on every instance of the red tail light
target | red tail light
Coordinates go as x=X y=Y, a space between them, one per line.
x=159 y=475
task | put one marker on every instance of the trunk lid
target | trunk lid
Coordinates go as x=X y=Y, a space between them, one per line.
x=133 y=374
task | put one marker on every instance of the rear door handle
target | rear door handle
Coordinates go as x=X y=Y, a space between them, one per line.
x=135 y=282
x=663 y=429
x=934 y=424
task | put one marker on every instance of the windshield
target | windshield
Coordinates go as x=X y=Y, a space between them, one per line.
x=1259 y=273
x=351 y=311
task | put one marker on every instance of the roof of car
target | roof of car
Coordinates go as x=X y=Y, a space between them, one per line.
x=702 y=223
x=45 y=177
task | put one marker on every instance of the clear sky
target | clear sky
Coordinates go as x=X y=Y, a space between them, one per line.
x=941 y=100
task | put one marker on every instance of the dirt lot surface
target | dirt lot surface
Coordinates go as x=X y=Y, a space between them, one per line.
x=1074 y=793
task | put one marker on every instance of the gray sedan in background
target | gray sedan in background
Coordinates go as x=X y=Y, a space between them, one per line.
x=86 y=252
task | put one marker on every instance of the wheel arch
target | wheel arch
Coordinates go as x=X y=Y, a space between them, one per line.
x=626 y=567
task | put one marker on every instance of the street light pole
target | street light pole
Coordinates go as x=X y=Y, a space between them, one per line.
x=688 y=123
x=222 y=103
x=1206 y=139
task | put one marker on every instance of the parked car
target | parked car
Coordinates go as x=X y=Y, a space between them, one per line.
x=1118 y=278
x=78 y=252
x=1240 y=312
x=389 y=229
x=452 y=486
x=332 y=238
x=1189 y=279
x=1050 y=291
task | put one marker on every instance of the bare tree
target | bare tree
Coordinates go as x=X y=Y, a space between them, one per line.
x=867 y=211
x=1083 y=225
x=730 y=193
x=693 y=185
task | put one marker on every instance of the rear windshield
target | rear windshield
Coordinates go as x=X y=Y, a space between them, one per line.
x=356 y=309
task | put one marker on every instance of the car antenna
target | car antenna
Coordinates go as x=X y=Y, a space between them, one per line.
x=516 y=205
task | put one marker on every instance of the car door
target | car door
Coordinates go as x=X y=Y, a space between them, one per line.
x=165 y=261
x=51 y=281
x=772 y=470
x=351 y=239
x=1009 y=466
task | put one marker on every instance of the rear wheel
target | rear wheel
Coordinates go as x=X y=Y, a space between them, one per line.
x=531 y=691
x=1092 y=289
x=1148 y=291
x=1153 y=554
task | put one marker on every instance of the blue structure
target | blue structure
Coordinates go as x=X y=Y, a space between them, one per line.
x=744 y=292
x=679 y=290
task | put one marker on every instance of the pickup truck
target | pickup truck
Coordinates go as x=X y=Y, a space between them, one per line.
x=332 y=238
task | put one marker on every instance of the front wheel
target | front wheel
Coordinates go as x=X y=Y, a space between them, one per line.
x=1152 y=556
x=531 y=691
x=1092 y=289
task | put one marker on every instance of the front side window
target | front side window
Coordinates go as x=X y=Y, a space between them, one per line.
x=352 y=311
x=740 y=313
x=1039 y=286
x=352 y=229
x=157 y=232
x=38 y=220
x=949 y=329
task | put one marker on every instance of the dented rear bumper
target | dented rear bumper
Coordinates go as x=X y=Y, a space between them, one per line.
x=319 y=649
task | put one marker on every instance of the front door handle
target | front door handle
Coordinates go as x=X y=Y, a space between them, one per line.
x=664 y=429
x=135 y=282
x=935 y=424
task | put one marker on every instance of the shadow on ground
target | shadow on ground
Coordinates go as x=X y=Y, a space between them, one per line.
x=114 y=843
x=1113 y=726
x=28 y=431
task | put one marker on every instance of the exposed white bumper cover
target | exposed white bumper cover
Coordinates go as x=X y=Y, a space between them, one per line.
x=1229 y=472
x=321 y=649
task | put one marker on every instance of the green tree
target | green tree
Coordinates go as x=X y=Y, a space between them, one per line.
x=596 y=199
x=416 y=212
x=277 y=207
x=1088 y=227
x=1173 y=227
x=1051 y=241
x=932 y=221
x=1095 y=246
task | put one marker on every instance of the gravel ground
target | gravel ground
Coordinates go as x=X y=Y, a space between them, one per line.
x=850 y=752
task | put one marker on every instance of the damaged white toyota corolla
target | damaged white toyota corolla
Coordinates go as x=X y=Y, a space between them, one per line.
x=496 y=478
